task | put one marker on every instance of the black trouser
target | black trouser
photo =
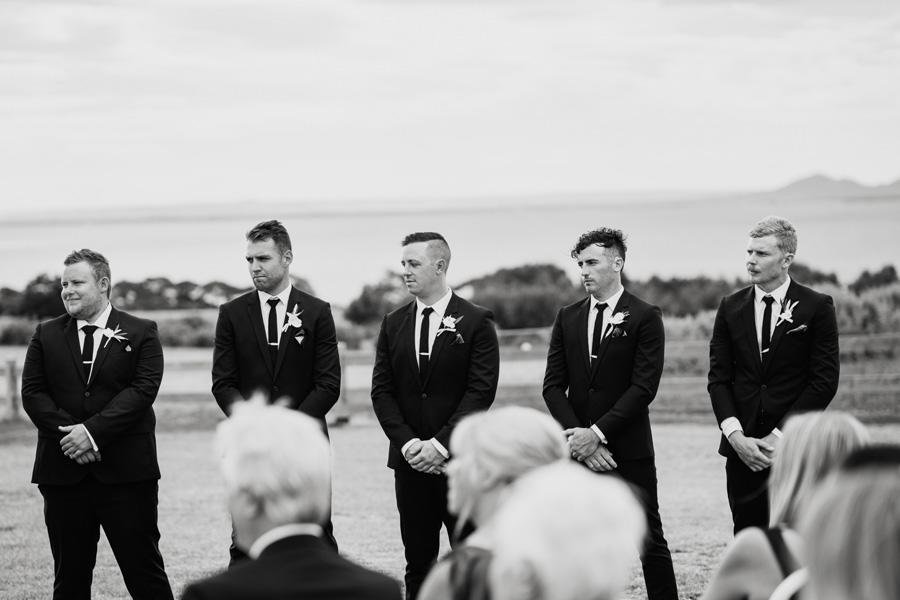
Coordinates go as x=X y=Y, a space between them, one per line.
x=127 y=513
x=422 y=504
x=656 y=560
x=748 y=495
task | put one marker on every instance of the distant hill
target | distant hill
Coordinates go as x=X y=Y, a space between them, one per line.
x=822 y=186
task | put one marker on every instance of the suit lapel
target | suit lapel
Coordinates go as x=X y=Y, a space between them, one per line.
x=287 y=337
x=581 y=336
x=439 y=341
x=103 y=351
x=748 y=317
x=70 y=332
x=621 y=306
x=405 y=343
x=254 y=313
x=790 y=296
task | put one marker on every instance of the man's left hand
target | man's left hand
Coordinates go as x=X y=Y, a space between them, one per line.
x=773 y=441
x=428 y=460
x=583 y=442
x=76 y=442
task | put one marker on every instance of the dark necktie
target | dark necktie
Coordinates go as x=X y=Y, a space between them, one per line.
x=423 y=341
x=766 y=325
x=87 y=351
x=273 y=328
x=598 y=332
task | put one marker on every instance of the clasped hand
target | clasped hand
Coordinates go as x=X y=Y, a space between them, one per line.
x=77 y=445
x=585 y=447
x=756 y=453
x=424 y=457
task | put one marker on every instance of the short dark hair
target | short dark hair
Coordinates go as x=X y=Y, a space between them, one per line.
x=96 y=261
x=606 y=237
x=422 y=236
x=272 y=230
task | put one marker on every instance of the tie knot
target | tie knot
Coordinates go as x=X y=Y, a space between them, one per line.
x=273 y=302
x=89 y=329
x=427 y=311
x=768 y=300
x=600 y=306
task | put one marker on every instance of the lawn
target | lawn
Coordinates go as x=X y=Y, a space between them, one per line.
x=195 y=528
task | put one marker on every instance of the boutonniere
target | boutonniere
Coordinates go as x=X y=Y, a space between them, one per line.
x=293 y=320
x=787 y=314
x=799 y=329
x=616 y=322
x=449 y=324
x=114 y=334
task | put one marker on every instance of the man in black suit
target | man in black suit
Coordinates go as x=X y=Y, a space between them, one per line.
x=88 y=384
x=276 y=467
x=774 y=351
x=437 y=360
x=276 y=340
x=603 y=369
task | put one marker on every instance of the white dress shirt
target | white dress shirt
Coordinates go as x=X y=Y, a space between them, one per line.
x=280 y=308
x=434 y=323
x=611 y=303
x=281 y=532
x=101 y=323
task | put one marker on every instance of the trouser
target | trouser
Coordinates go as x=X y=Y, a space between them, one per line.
x=748 y=495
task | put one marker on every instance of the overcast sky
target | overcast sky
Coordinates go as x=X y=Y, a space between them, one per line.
x=192 y=101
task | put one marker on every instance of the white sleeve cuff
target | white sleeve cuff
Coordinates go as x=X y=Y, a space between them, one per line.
x=407 y=445
x=730 y=425
x=440 y=448
x=599 y=433
x=94 y=444
x=777 y=433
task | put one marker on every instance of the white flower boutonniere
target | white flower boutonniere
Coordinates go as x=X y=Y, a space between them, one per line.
x=114 y=334
x=449 y=324
x=293 y=320
x=788 y=313
x=616 y=322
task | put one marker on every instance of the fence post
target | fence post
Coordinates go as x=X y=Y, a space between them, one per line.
x=12 y=389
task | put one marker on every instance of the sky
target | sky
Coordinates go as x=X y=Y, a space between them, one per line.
x=171 y=103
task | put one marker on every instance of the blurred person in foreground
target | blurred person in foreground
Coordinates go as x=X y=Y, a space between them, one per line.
x=604 y=364
x=774 y=351
x=756 y=562
x=276 y=340
x=437 y=360
x=89 y=382
x=852 y=536
x=565 y=534
x=275 y=463
x=490 y=450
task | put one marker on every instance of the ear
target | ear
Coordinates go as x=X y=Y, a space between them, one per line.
x=618 y=264
x=104 y=285
x=440 y=265
x=288 y=256
x=787 y=261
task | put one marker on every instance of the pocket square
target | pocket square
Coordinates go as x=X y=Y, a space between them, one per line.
x=300 y=339
x=799 y=329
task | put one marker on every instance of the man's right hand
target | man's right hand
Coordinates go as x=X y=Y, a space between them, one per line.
x=754 y=452
x=601 y=460
x=88 y=457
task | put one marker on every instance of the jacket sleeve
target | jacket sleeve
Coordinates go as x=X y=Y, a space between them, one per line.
x=721 y=369
x=384 y=393
x=645 y=375
x=556 y=378
x=224 y=367
x=36 y=399
x=326 y=368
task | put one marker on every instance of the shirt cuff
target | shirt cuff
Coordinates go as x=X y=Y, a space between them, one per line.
x=777 y=433
x=407 y=445
x=599 y=433
x=94 y=444
x=730 y=425
x=440 y=448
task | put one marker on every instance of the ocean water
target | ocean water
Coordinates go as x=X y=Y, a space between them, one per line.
x=340 y=250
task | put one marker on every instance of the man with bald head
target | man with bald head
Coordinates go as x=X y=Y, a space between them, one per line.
x=437 y=360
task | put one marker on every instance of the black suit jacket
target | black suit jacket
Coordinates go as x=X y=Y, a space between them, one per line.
x=616 y=393
x=307 y=373
x=297 y=567
x=116 y=405
x=462 y=376
x=800 y=371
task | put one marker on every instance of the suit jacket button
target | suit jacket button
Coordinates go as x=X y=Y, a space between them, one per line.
x=591 y=391
x=87 y=394
x=275 y=389
x=764 y=387
x=424 y=396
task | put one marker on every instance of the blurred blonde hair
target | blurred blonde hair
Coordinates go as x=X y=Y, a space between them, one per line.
x=852 y=535
x=565 y=533
x=814 y=444
x=496 y=447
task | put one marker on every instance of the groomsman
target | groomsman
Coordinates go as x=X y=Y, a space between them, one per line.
x=276 y=340
x=603 y=369
x=437 y=360
x=774 y=351
x=88 y=384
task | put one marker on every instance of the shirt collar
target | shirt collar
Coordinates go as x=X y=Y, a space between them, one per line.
x=279 y=533
x=100 y=321
x=440 y=307
x=611 y=302
x=284 y=295
x=778 y=293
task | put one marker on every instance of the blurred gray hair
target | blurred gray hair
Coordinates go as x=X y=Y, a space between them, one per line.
x=277 y=460
x=781 y=228
x=566 y=533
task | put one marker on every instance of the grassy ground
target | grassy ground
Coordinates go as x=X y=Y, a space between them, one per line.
x=195 y=528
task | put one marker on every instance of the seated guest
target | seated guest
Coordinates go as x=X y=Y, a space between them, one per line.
x=276 y=467
x=565 y=534
x=758 y=560
x=852 y=535
x=875 y=455
x=490 y=451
